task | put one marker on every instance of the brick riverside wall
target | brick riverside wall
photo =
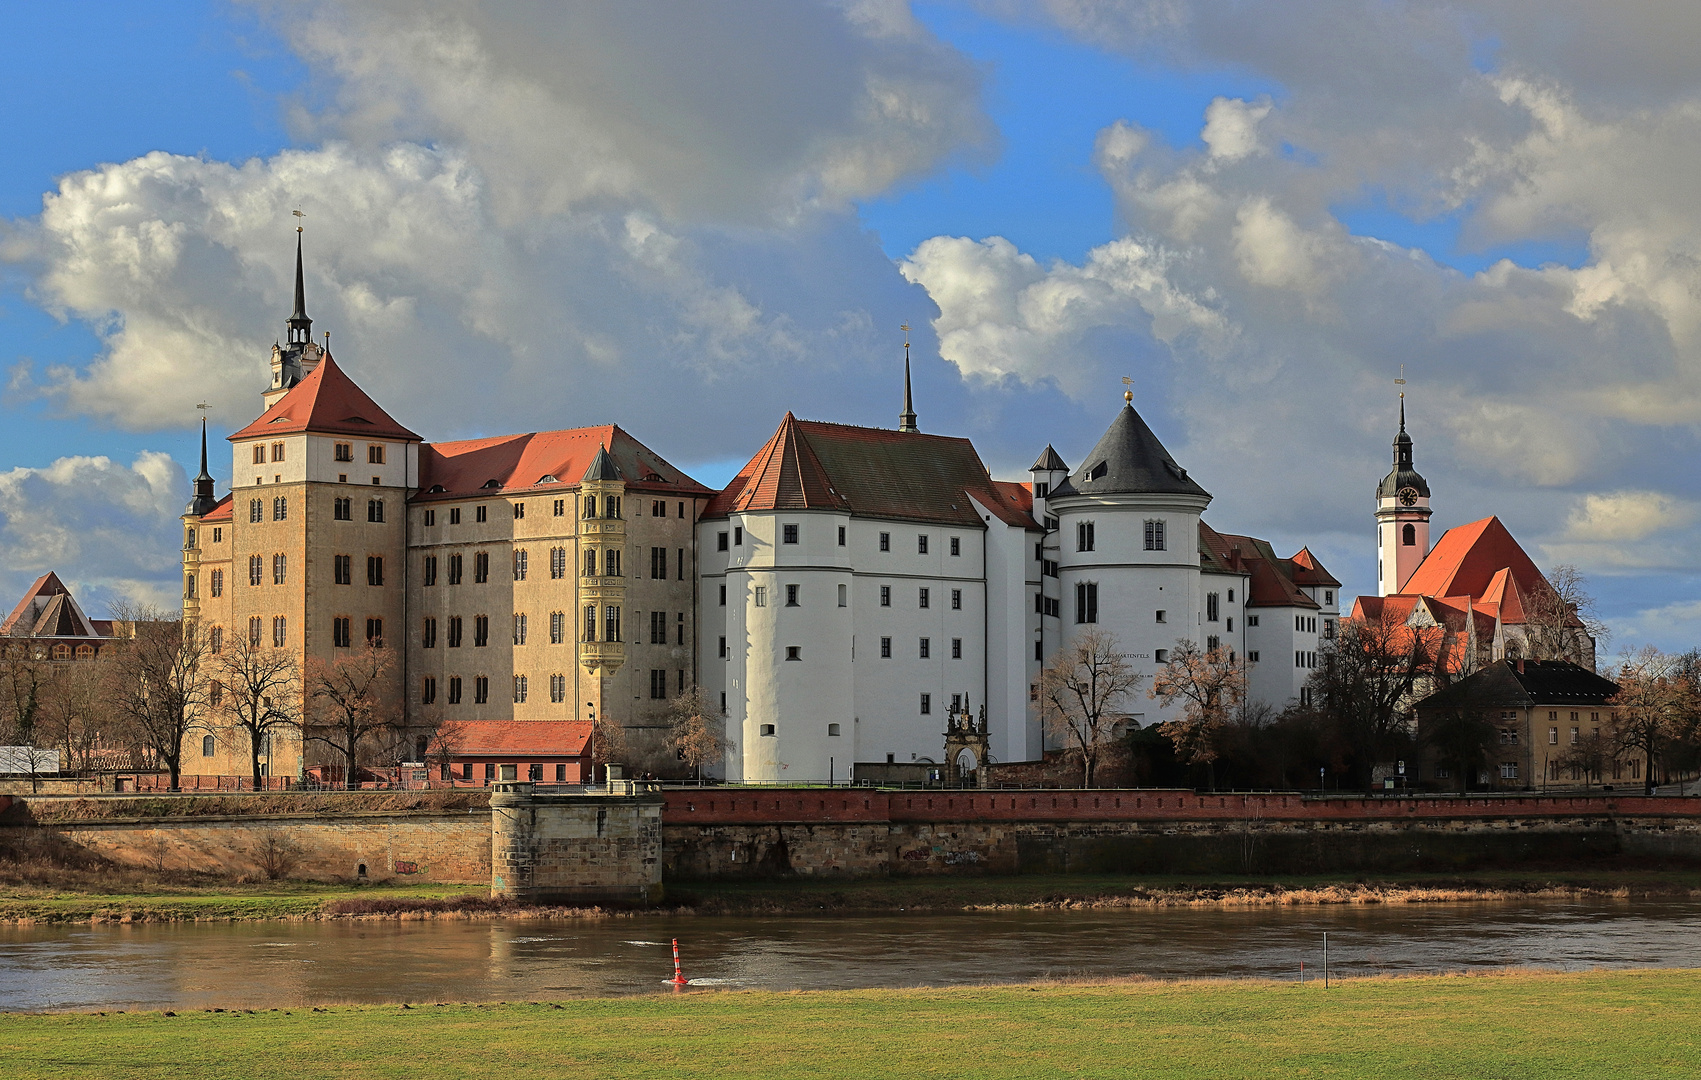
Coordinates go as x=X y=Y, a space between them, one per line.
x=398 y=846
x=741 y=833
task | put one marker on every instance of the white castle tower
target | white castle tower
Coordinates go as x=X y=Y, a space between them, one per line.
x=1402 y=517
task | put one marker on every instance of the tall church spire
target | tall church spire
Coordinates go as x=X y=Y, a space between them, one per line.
x=300 y=326
x=1402 y=514
x=204 y=498
x=906 y=419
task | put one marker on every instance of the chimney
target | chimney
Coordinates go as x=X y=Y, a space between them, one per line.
x=1520 y=665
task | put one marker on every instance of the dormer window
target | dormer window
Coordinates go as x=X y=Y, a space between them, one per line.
x=1097 y=471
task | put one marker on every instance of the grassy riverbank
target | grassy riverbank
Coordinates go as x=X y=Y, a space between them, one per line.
x=1512 y=1026
x=181 y=899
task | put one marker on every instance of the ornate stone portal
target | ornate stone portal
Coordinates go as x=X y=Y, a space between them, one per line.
x=967 y=750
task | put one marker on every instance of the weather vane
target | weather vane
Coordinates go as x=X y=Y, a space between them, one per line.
x=297 y=212
x=1128 y=394
x=1401 y=381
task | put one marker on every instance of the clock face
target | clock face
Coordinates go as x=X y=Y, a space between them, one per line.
x=1408 y=496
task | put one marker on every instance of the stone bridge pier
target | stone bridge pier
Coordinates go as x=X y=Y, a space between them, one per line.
x=579 y=847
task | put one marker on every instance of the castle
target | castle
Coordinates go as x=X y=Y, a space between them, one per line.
x=849 y=596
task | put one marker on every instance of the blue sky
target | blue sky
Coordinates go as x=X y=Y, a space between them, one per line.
x=1355 y=209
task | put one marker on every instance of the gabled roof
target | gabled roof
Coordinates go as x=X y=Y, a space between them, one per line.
x=869 y=472
x=326 y=402
x=544 y=459
x=543 y=738
x=1018 y=494
x=1049 y=461
x=49 y=610
x=220 y=512
x=1466 y=559
x=1526 y=684
x=1268 y=582
x=1129 y=460
x=1307 y=569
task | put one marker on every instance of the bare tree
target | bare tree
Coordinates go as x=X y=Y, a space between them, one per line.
x=696 y=730
x=71 y=714
x=350 y=704
x=1368 y=678
x=1080 y=691
x=1211 y=687
x=1589 y=756
x=159 y=682
x=25 y=677
x=258 y=690
x=608 y=742
x=1561 y=622
x=1655 y=706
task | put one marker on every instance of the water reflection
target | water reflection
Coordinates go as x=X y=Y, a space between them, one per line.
x=265 y=965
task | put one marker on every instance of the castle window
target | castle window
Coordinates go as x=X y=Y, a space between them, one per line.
x=558 y=562
x=560 y=507
x=455 y=569
x=375 y=453
x=1213 y=643
x=428 y=690
x=344 y=452
x=791 y=596
x=832 y=730
x=885 y=596
x=611 y=562
x=343 y=510
x=519 y=628
x=761 y=596
x=721 y=542
x=925 y=650
x=1084 y=540
x=428 y=570
x=885 y=648
x=217 y=585
x=557 y=627
x=375 y=633
x=208 y=745
x=926 y=704
x=1408 y=536
x=520 y=559
x=1328 y=597
x=1087 y=602
x=590 y=562
x=259 y=453
x=590 y=622
x=454 y=631
x=481 y=513
x=956 y=648
x=256 y=510
x=454 y=515
x=658 y=508
x=340 y=633
x=519 y=510
x=558 y=694
x=1155 y=535
x=844 y=594
x=738 y=536
x=1252 y=656
x=611 y=507
x=956 y=546
x=375 y=569
x=723 y=649
x=1099 y=471
x=481 y=567
x=658 y=628
x=1161 y=655
x=924 y=598
x=611 y=623
x=428 y=634
x=481 y=631
x=590 y=506
x=280 y=569
x=215 y=641
x=921 y=544
x=723 y=596
x=767 y=729
x=956 y=599
x=885 y=541
x=841 y=536
x=277 y=451
x=520 y=694
x=1252 y=620
x=1211 y=607
x=280 y=508
x=375 y=510
x=794 y=652
x=254 y=625
x=280 y=631
x=481 y=689
x=341 y=571
x=788 y=534
x=455 y=696
x=1163 y=616
x=658 y=564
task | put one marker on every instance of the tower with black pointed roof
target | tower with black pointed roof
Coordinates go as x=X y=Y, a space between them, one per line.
x=1402 y=517
x=294 y=358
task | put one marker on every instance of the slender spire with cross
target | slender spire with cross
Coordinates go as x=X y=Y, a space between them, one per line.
x=300 y=326
x=906 y=419
x=205 y=498
x=1401 y=383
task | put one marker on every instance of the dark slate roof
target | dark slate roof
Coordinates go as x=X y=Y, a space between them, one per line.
x=1133 y=462
x=602 y=467
x=1049 y=461
x=1541 y=682
x=1404 y=473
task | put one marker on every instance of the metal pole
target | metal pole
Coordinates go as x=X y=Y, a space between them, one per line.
x=1325 y=959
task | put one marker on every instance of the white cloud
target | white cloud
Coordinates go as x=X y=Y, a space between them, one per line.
x=1626 y=515
x=109 y=530
x=1231 y=128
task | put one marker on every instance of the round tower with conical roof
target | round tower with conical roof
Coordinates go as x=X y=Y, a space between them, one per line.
x=1402 y=517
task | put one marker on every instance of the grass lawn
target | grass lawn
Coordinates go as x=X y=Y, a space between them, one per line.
x=176 y=902
x=1539 y=1026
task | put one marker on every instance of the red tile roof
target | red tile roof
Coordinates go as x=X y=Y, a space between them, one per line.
x=1308 y=570
x=1466 y=559
x=870 y=472
x=538 y=738
x=326 y=401
x=1269 y=584
x=221 y=510
x=543 y=459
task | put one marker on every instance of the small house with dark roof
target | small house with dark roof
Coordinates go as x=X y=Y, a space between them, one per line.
x=1540 y=710
x=49 y=624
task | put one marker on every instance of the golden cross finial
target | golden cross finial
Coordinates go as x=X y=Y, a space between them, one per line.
x=1401 y=381
x=297 y=212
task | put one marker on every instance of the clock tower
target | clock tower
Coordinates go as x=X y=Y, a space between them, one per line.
x=1402 y=517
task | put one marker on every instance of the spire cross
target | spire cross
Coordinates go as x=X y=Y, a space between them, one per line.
x=297 y=212
x=1401 y=383
x=906 y=419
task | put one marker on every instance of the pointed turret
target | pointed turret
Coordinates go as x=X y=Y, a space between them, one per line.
x=906 y=419
x=294 y=358
x=1404 y=474
x=1402 y=517
x=204 y=498
x=603 y=467
x=300 y=326
x=1129 y=460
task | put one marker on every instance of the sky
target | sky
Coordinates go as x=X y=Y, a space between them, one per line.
x=689 y=219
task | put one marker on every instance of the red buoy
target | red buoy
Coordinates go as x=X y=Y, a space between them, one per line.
x=679 y=978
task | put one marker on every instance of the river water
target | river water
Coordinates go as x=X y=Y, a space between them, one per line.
x=267 y=965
